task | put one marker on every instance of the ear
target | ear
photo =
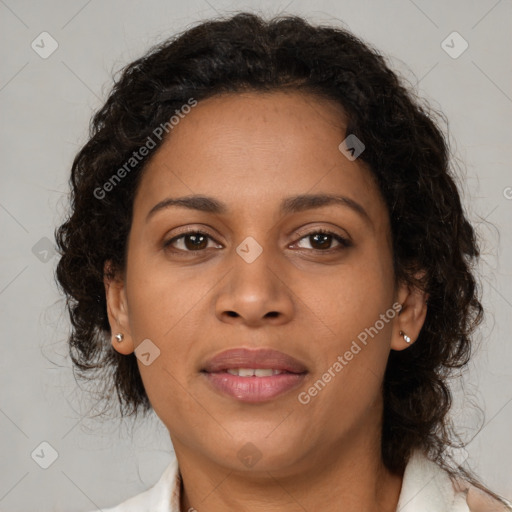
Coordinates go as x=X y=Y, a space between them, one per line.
x=411 y=317
x=117 y=309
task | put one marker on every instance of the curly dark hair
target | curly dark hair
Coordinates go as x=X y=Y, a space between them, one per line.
x=406 y=151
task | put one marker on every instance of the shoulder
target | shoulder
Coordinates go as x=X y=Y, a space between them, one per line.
x=479 y=500
x=426 y=487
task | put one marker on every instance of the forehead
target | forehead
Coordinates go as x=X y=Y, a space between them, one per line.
x=253 y=149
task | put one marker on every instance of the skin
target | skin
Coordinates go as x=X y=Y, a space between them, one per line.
x=250 y=151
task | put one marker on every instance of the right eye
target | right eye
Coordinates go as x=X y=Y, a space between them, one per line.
x=191 y=241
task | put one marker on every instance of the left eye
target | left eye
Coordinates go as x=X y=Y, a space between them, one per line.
x=323 y=239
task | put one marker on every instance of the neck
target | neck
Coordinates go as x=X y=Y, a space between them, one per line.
x=349 y=476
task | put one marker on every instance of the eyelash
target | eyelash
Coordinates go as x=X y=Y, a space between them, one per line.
x=343 y=242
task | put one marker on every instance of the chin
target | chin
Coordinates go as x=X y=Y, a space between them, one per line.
x=261 y=453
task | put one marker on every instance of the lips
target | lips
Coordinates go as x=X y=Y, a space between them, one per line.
x=253 y=376
x=255 y=358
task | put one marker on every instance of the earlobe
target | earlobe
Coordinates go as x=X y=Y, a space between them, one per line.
x=406 y=338
x=411 y=317
x=117 y=311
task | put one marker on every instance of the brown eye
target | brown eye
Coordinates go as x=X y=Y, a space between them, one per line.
x=189 y=242
x=321 y=241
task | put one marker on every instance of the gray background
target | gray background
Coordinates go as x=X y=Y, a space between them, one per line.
x=46 y=105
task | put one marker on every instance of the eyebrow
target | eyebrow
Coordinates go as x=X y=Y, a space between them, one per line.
x=289 y=205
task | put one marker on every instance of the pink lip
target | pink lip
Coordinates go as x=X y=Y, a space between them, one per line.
x=255 y=358
x=254 y=389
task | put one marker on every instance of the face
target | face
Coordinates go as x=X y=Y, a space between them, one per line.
x=261 y=264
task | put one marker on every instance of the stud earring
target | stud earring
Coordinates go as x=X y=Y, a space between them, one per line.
x=406 y=338
x=119 y=337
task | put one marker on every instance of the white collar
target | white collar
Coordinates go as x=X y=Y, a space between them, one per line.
x=426 y=487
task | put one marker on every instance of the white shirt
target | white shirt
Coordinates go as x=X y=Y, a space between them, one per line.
x=426 y=487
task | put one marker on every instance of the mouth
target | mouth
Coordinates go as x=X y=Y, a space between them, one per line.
x=255 y=375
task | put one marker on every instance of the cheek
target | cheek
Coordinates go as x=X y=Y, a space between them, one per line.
x=349 y=315
x=350 y=297
x=161 y=302
x=351 y=358
x=160 y=296
x=354 y=324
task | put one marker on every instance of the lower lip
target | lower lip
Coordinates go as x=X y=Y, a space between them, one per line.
x=254 y=389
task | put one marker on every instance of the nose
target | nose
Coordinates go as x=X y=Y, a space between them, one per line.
x=255 y=293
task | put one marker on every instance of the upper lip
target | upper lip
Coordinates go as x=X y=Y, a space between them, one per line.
x=253 y=358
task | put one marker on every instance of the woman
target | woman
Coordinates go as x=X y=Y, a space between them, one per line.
x=267 y=247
